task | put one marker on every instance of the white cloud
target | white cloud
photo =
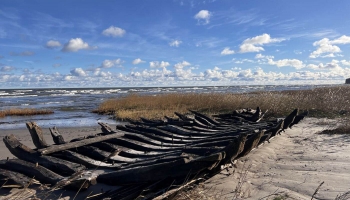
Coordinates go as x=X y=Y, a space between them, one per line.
x=259 y=55
x=114 y=32
x=181 y=65
x=6 y=69
x=111 y=63
x=203 y=16
x=76 y=44
x=333 y=65
x=298 y=64
x=157 y=64
x=137 y=61
x=53 y=44
x=329 y=46
x=254 y=44
x=78 y=72
x=344 y=62
x=175 y=43
x=227 y=51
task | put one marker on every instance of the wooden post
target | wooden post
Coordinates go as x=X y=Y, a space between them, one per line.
x=37 y=135
x=56 y=136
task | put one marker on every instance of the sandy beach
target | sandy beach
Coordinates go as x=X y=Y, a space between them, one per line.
x=291 y=166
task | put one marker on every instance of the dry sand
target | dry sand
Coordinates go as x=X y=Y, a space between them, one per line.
x=293 y=165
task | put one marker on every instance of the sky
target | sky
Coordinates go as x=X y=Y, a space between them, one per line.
x=64 y=43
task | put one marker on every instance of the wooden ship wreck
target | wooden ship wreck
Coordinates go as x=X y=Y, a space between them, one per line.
x=145 y=159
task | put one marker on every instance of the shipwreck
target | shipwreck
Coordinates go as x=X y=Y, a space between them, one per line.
x=145 y=159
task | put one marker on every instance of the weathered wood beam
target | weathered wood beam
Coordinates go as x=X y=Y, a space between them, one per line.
x=32 y=170
x=106 y=129
x=56 y=136
x=289 y=119
x=11 y=178
x=37 y=135
x=61 y=147
x=23 y=152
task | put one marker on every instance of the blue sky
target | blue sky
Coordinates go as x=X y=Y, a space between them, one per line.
x=173 y=43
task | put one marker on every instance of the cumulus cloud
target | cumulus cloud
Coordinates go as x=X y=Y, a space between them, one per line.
x=157 y=64
x=255 y=44
x=113 y=31
x=227 y=51
x=333 y=65
x=24 y=53
x=181 y=65
x=111 y=63
x=76 y=44
x=78 y=72
x=326 y=45
x=175 y=43
x=203 y=16
x=6 y=68
x=298 y=64
x=51 y=44
x=137 y=61
x=345 y=62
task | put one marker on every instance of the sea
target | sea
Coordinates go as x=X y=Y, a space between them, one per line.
x=73 y=106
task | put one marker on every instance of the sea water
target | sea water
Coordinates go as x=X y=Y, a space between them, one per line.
x=73 y=106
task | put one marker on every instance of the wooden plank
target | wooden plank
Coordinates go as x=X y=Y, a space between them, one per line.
x=56 y=148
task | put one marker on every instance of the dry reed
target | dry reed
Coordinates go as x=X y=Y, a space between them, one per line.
x=23 y=112
x=321 y=102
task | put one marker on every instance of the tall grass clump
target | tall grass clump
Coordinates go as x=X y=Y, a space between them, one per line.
x=23 y=112
x=321 y=102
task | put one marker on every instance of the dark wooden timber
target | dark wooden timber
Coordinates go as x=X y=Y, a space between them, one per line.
x=251 y=143
x=55 y=148
x=37 y=135
x=56 y=136
x=23 y=152
x=32 y=170
x=289 y=119
x=8 y=177
x=106 y=129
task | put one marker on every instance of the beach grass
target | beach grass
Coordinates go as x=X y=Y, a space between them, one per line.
x=24 y=112
x=321 y=102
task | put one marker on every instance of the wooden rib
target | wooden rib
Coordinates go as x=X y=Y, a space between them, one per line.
x=37 y=135
x=208 y=119
x=177 y=168
x=56 y=136
x=23 y=152
x=290 y=118
x=15 y=178
x=251 y=143
x=106 y=129
x=32 y=170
